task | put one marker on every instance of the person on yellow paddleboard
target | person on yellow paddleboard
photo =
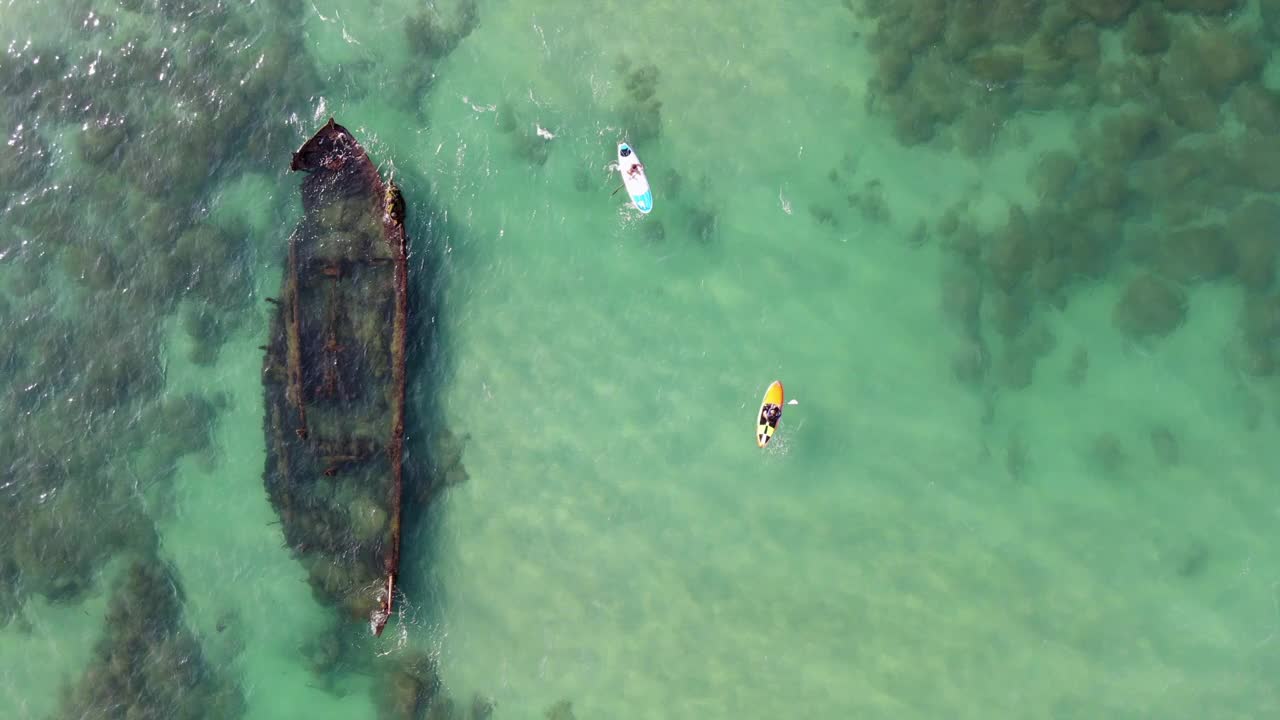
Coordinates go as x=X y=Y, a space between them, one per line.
x=771 y=412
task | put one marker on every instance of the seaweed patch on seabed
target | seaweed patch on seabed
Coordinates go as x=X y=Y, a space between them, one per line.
x=148 y=663
x=105 y=234
x=1167 y=186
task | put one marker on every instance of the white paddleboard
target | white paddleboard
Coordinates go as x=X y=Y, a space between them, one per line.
x=634 y=179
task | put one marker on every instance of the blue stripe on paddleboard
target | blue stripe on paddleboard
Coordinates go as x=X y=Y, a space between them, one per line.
x=643 y=202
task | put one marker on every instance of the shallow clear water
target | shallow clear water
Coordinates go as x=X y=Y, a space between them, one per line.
x=1096 y=542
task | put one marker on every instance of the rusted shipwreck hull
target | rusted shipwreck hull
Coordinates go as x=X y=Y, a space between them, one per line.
x=334 y=378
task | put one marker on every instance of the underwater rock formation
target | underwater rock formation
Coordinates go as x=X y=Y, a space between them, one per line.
x=561 y=710
x=334 y=378
x=641 y=111
x=144 y=132
x=410 y=688
x=1166 y=185
x=148 y=664
x=1150 y=307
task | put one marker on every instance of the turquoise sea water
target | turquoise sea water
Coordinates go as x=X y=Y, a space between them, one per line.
x=1066 y=519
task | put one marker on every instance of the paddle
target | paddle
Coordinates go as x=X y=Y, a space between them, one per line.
x=615 y=192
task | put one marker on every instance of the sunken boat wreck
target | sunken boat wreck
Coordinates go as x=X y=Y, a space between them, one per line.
x=334 y=379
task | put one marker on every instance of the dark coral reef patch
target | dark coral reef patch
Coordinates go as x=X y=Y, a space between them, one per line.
x=1157 y=192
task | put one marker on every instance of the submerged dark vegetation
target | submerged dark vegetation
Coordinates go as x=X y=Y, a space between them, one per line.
x=111 y=246
x=1167 y=185
x=111 y=242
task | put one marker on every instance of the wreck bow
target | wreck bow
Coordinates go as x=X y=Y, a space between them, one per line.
x=334 y=378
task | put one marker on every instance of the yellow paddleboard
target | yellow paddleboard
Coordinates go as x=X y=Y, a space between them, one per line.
x=770 y=414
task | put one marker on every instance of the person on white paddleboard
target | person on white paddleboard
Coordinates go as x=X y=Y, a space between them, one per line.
x=635 y=168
